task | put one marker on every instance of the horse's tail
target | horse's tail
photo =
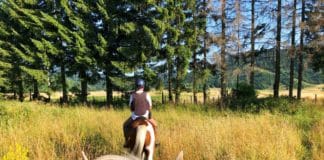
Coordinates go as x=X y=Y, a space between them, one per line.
x=139 y=141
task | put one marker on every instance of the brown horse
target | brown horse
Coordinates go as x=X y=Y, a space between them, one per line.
x=142 y=138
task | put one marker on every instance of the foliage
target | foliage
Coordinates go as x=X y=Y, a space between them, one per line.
x=45 y=43
x=16 y=153
x=244 y=95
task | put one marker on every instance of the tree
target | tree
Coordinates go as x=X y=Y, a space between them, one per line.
x=141 y=18
x=252 y=42
x=277 y=63
x=300 y=52
x=292 y=51
x=223 y=54
x=79 y=19
x=186 y=38
x=200 y=72
x=26 y=63
x=314 y=35
x=170 y=39
x=205 y=49
x=56 y=42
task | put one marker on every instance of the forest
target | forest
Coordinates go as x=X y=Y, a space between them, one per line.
x=176 y=45
x=229 y=79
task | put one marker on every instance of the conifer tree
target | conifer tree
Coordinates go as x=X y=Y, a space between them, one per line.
x=199 y=47
x=26 y=64
x=141 y=18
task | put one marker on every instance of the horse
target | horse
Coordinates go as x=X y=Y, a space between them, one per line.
x=125 y=157
x=142 y=143
x=142 y=139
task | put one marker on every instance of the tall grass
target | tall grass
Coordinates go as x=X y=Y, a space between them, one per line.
x=52 y=132
x=317 y=140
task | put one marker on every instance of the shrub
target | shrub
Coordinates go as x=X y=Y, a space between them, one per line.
x=243 y=96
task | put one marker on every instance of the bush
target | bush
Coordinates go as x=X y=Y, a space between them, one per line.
x=243 y=96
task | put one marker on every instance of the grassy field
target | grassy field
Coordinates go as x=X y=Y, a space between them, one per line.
x=214 y=93
x=32 y=130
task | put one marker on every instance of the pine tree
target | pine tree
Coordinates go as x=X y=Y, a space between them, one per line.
x=26 y=63
x=112 y=62
x=169 y=41
x=140 y=18
x=80 y=21
x=56 y=42
x=199 y=47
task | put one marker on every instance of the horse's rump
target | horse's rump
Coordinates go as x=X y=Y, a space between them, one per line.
x=133 y=130
x=142 y=138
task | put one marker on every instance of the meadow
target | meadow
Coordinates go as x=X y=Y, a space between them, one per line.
x=34 y=130
x=308 y=93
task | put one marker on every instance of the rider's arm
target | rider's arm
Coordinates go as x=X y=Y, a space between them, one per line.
x=149 y=100
x=130 y=103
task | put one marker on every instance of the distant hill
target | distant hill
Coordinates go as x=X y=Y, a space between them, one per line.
x=264 y=72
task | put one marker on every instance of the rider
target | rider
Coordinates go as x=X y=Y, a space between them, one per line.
x=141 y=104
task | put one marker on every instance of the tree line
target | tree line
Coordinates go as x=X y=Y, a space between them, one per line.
x=42 y=42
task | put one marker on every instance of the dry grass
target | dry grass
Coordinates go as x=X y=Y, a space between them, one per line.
x=317 y=140
x=214 y=94
x=308 y=93
x=51 y=132
x=230 y=137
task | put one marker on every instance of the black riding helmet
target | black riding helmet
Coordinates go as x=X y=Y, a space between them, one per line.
x=139 y=83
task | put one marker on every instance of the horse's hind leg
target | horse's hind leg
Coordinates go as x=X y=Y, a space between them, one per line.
x=149 y=149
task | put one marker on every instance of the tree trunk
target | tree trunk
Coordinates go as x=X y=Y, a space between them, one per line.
x=277 y=63
x=177 y=83
x=20 y=86
x=170 y=81
x=252 y=44
x=64 y=85
x=84 y=86
x=109 y=91
x=223 y=55
x=13 y=88
x=205 y=52
x=292 y=54
x=36 y=90
x=300 y=53
x=194 y=80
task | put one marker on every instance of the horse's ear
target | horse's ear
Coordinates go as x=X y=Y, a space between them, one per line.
x=180 y=156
